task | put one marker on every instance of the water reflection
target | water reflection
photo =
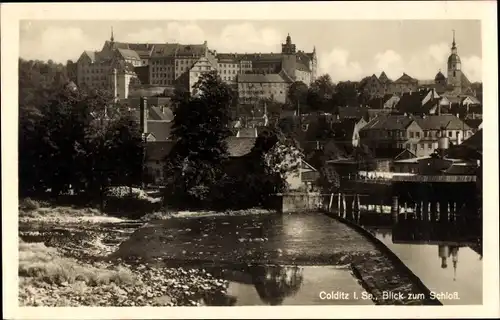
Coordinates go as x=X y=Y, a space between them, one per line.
x=283 y=285
x=446 y=256
x=273 y=283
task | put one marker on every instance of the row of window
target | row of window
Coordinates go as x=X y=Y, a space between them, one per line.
x=162 y=75
x=264 y=84
x=421 y=146
x=162 y=81
x=411 y=134
x=258 y=92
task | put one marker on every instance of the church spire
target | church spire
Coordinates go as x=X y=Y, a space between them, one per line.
x=454 y=45
x=112 y=35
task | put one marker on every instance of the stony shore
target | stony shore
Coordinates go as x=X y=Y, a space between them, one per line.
x=62 y=263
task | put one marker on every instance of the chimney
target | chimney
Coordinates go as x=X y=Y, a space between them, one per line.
x=439 y=109
x=144 y=115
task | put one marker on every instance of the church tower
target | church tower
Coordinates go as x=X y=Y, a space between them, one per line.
x=454 y=68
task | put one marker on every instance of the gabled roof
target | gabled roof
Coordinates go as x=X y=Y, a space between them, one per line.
x=389 y=122
x=157 y=113
x=472 y=98
x=406 y=78
x=160 y=129
x=384 y=78
x=473 y=123
x=412 y=102
x=129 y=54
x=443 y=121
x=92 y=55
x=475 y=141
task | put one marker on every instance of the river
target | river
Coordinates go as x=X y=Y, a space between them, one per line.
x=446 y=255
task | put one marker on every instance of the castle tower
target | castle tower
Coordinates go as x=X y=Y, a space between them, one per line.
x=454 y=67
x=288 y=47
x=314 y=69
x=289 y=62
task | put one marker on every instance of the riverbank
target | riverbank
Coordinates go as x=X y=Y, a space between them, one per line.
x=62 y=262
x=80 y=257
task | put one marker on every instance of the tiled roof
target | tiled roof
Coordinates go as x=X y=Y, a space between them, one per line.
x=389 y=122
x=159 y=113
x=254 y=57
x=129 y=54
x=473 y=123
x=436 y=122
x=471 y=148
x=351 y=112
x=301 y=66
x=91 y=54
x=160 y=129
x=475 y=141
x=474 y=99
x=176 y=49
x=261 y=78
x=406 y=78
x=412 y=103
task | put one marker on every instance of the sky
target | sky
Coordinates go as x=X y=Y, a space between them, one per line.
x=346 y=49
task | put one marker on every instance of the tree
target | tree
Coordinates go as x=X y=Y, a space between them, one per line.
x=200 y=129
x=297 y=96
x=346 y=94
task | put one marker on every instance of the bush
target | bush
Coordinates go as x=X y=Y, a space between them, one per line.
x=29 y=205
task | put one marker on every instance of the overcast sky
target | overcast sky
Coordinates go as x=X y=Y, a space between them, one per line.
x=347 y=50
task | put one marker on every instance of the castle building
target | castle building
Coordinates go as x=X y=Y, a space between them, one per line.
x=174 y=64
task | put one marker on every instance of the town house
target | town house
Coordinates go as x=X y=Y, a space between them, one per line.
x=418 y=134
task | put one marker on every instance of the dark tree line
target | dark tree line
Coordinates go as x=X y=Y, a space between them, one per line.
x=71 y=138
